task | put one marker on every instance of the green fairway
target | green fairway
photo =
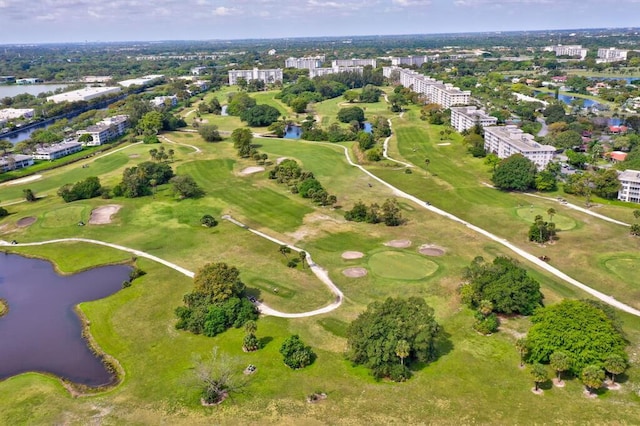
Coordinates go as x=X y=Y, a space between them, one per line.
x=563 y=223
x=66 y=216
x=401 y=266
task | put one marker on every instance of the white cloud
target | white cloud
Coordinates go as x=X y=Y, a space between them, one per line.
x=410 y=3
x=224 y=11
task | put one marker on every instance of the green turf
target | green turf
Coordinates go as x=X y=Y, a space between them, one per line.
x=563 y=223
x=401 y=265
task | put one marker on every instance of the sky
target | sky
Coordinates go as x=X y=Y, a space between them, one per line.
x=52 y=21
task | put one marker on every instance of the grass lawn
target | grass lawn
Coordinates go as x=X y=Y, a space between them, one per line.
x=475 y=379
x=563 y=223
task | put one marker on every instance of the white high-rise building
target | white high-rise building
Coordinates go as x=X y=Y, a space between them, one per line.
x=464 y=118
x=307 y=62
x=630 y=181
x=414 y=60
x=611 y=55
x=318 y=72
x=353 y=63
x=268 y=75
x=434 y=91
x=568 y=50
x=504 y=141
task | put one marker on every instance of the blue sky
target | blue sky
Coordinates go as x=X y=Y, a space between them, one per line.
x=43 y=21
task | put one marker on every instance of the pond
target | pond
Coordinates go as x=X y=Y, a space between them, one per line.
x=41 y=332
x=292 y=131
x=567 y=99
x=367 y=127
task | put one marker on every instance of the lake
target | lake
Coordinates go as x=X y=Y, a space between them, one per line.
x=32 y=89
x=41 y=332
x=567 y=99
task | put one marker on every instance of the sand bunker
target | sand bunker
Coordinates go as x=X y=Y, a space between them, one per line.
x=398 y=243
x=431 y=250
x=251 y=170
x=281 y=159
x=24 y=180
x=354 y=272
x=26 y=221
x=134 y=156
x=352 y=255
x=102 y=215
x=444 y=144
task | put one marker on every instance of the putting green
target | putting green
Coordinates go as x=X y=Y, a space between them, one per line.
x=65 y=216
x=563 y=223
x=624 y=267
x=401 y=266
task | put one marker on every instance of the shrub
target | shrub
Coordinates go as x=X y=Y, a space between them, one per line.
x=296 y=354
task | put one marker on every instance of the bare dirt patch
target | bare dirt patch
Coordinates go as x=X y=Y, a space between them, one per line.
x=431 y=250
x=281 y=159
x=25 y=180
x=398 y=243
x=251 y=170
x=134 y=156
x=557 y=383
x=26 y=221
x=354 y=272
x=102 y=215
x=348 y=255
x=444 y=144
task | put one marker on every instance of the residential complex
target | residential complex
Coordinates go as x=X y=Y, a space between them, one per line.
x=161 y=101
x=414 y=60
x=318 y=72
x=7 y=114
x=268 y=75
x=353 y=63
x=105 y=130
x=85 y=94
x=630 y=181
x=146 y=80
x=434 y=91
x=307 y=62
x=464 y=118
x=568 y=50
x=58 y=150
x=611 y=55
x=504 y=141
x=15 y=161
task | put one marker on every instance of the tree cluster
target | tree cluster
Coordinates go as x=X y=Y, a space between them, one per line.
x=209 y=132
x=295 y=353
x=392 y=335
x=217 y=302
x=83 y=190
x=301 y=182
x=140 y=180
x=542 y=231
x=503 y=283
x=389 y=213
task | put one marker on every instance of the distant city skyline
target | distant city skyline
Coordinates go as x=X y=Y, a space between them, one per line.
x=54 y=21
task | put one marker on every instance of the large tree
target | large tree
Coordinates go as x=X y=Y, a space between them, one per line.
x=260 y=115
x=347 y=115
x=242 y=138
x=374 y=336
x=218 y=282
x=150 y=123
x=295 y=353
x=186 y=187
x=583 y=331
x=209 y=132
x=515 y=173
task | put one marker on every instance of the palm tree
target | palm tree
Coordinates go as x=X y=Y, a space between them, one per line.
x=592 y=376
x=560 y=361
x=427 y=162
x=614 y=364
x=303 y=257
x=171 y=153
x=284 y=250
x=636 y=214
x=521 y=347
x=486 y=307
x=539 y=374
x=551 y=212
x=402 y=350
x=250 y=327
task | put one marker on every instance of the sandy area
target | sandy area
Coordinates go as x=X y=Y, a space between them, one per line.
x=25 y=180
x=444 y=144
x=352 y=255
x=431 y=250
x=102 y=215
x=354 y=272
x=134 y=156
x=398 y=243
x=281 y=159
x=251 y=170
x=26 y=221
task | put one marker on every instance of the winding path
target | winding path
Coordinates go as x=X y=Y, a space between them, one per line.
x=385 y=148
x=583 y=210
x=195 y=148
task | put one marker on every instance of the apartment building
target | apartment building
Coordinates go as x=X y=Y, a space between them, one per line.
x=568 y=50
x=85 y=94
x=353 y=63
x=630 y=181
x=611 y=55
x=434 y=91
x=414 y=60
x=146 y=80
x=267 y=75
x=318 y=72
x=58 y=150
x=504 y=141
x=464 y=118
x=105 y=130
x=307 y=62
x=15 y=161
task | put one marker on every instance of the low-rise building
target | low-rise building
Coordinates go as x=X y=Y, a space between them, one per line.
x=7 y=114
x=7 y=79
x=58 y=150
x=15 y=161
x=504 y=141
x=269 y=76
x=145 y=80
x=161 y=101
x=29 y=81
x=105 y=130
x=353 y=63
x=630 y=181
x=198 y=70
x=85 y=94
x=464 y=118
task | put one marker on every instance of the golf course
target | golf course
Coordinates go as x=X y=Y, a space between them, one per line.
x=473 y=379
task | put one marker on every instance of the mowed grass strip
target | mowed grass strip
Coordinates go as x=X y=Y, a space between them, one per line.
x=401 y=266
